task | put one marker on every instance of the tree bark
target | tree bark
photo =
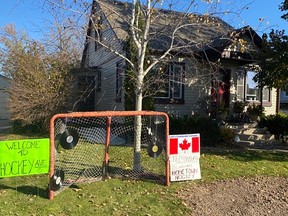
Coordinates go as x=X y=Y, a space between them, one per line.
x=138 y=124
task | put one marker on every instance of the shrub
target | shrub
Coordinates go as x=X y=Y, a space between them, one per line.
x=28 y=129
x=254 y=111
x=276 y=125
x=238 y=106
x=226 y=137
x=208 y=128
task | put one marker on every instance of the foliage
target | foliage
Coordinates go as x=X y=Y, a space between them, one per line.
x=40 y=81
x=275 y=56
x=226 y=137
x=208 y=128
x=254 y=111
x=238 y=107
x=274 y=60
x=276 y=125
x=19 y=128
x=284 y=7
x=223 y=112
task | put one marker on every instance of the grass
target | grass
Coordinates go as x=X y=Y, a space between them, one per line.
x=28 y=195
x=231 y=164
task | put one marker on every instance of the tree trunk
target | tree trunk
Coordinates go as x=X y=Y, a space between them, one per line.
x=138 y=125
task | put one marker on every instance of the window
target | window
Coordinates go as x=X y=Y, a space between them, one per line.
x=168 y=85
x=249 y=90
x=240 y=85
x=119 y=81
x=86 y=93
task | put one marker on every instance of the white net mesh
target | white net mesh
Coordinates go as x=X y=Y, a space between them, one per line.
x=81 y=143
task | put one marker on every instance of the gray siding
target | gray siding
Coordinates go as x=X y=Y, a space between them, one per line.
x=196 y=95
x=196 y=91
x=106 y=61
x=4 y=114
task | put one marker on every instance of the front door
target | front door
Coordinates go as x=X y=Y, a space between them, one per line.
x=220 y=90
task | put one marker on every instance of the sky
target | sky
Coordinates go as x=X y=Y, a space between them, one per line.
x=259 y=14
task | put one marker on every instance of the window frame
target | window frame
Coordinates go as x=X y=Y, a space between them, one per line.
x=245 y=90
x=170 y=72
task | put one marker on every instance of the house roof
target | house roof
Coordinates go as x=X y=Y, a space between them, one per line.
x=220 y=43
x=196 y=32
x=4 y=77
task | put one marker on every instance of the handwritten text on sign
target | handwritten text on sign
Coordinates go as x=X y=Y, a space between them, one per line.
x=184 y=171
x=184 y=155
x=24 y=157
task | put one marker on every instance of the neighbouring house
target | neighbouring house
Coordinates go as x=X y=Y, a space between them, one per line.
x=4 y=114
x=213 y=68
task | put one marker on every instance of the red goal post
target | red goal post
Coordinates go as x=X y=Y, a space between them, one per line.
x=72 y=136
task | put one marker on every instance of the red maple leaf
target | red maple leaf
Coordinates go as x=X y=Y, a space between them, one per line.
x=185 y=145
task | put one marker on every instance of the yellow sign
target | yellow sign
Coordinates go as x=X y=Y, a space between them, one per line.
x=24 y=157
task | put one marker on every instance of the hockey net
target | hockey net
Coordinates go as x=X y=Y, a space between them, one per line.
x=93 y=146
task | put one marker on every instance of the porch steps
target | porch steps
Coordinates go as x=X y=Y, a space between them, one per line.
x=251 y=136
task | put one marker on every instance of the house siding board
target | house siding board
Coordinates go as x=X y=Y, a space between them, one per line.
x=103 y=55
x=4 y=84
x=106 y=60
x=270 y=110
x=106 y=99
x=194 y=100
x=196 y=91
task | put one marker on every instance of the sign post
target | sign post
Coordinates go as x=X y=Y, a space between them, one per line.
x=24 y=157
x=184 y=157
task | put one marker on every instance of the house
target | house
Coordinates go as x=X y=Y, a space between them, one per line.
x=213 y=67
x=4 y=114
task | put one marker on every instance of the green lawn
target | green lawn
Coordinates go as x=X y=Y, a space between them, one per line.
x=28 y=195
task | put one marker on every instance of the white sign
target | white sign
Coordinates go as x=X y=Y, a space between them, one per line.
x=184 y=155
x=186 y=171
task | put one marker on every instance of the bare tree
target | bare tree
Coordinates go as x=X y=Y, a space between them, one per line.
x=41 y=71
x=40 y=80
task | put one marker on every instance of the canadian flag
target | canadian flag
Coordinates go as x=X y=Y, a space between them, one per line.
x=184 y=145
